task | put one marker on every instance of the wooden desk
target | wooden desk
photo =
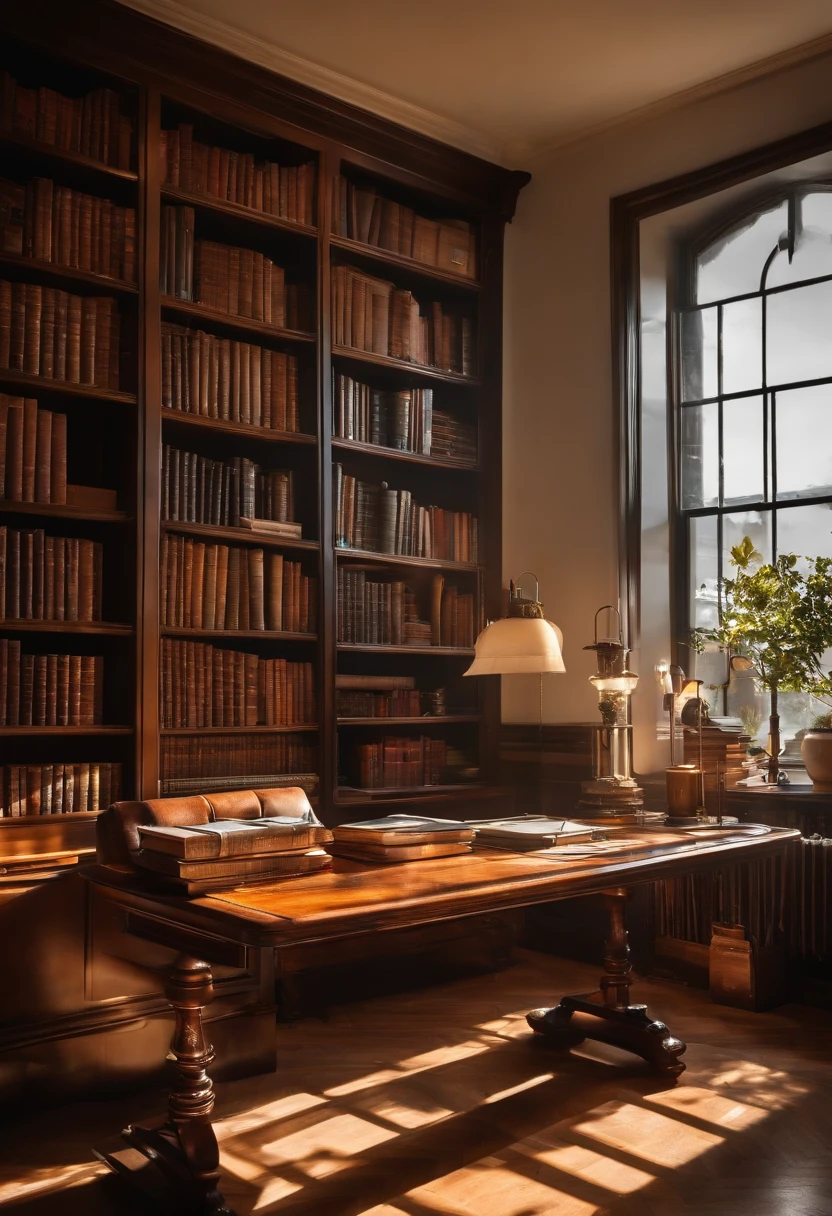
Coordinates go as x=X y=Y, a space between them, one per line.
x=180 y=1158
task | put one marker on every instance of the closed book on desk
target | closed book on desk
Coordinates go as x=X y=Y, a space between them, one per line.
x=393 y=853
x=286 y=865
x=404 y=830
x=286 y=862
x=527 y=835
x=230 y=838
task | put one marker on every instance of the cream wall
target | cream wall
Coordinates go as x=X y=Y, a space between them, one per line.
x=559 y=454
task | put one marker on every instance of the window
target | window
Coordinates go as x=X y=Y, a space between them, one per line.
x=753 y=392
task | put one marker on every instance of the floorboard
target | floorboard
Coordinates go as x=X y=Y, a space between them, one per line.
x=439 y=1103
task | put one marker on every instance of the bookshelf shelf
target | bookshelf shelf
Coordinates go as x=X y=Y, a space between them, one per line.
x=426 y=720
x=36 y=385
x=96 y=628
x=384 y=453
x=294 y=729
x=398 y=261
x=84 y=168
x=418 y=370
x=219 y=426
x=397 y=559
x=248 y=215
x=244 y=536
x=20 y=732
x=268 y=635
x=437 y=652
x=62 y=511
x=201 y=312
x=13 y=821
x=66 y=276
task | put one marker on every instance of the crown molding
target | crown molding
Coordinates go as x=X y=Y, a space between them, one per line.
x=537 y=154
x=284 y=63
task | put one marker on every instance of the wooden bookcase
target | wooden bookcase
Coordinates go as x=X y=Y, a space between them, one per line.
x=117 y=435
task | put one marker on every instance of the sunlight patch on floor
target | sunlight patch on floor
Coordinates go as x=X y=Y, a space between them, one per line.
x=709 y=1107
x=26 y=1183
x=325 y=1147
x=586 y=1163
x=646 y=1134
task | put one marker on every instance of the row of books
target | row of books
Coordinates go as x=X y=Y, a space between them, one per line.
x=197 y=489
x=46 y=332
x=392 y=418
x=400 y=763
x=58 y=789
x=55 y=224
x=92 y=125
x=385 y=613
x=453 y=439
x=224 y=587
x=232 y=759
x=287 y=191
x=203 y=685
x=49 y=689
x=399 y=703
x=374 y=315
x=376 y=519
x=32 y=452
x=360 y=214
x=232 y=381
x=240 y=282
x=49 y=578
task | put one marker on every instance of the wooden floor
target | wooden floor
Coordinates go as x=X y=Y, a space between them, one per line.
x=439 y=1102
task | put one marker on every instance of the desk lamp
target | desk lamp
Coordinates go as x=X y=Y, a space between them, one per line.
x=520 y=643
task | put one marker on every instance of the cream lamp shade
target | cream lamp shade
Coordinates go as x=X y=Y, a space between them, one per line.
x=518 y=646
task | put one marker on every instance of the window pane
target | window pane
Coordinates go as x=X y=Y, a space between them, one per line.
x=756 y=525
x=733 y=265
x=805 y=530
x=799 y=324
x=742 y=346
x=703 y=571
x=700 y=456
x=699 y=342
x=743 y=472
x=804 y=442
x=813 y=256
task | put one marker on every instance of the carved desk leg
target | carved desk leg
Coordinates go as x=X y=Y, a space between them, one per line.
x=608 y=1015
x=178 y=1162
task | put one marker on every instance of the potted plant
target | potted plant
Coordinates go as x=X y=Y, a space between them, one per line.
x=777 y=620
x=816 y=749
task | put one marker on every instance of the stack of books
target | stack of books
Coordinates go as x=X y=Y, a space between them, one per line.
x=402 y=838
x=529 y=835
x=234 y=852
x=724 y=750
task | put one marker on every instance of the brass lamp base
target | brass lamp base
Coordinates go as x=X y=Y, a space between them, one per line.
x=618 y=798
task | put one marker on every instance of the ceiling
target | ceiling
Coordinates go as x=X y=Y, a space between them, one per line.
x=510 y=79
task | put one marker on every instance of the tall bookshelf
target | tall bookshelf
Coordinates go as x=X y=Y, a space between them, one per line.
x=230 y=400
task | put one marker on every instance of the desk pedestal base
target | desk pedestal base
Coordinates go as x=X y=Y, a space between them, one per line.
x=177 y=1163
x=609 y=1017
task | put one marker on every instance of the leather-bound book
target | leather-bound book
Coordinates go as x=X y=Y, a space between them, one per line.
x=5 y=323
x=14 y=450
x=86 y=580
x=59 y=568
x=49 y=578
x=256 y=589
x=57 y=789
x=75 y=339
x=72 y=548
x=37 y=574
x=82 y=787
x=47 y=334
x=33 y=303
x=197 y=585
x=27 y=679
x=89 y=314
x=274 y=589
x=43 y=456
x=4 y=552
x=436 y=610
x=232 y=595
x=27 y=558
x=39 y=690
x=30 y=439
x=245 y=597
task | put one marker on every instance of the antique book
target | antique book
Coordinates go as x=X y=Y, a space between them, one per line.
x=526 y=835
x=393 y=853
x=230 y=838
x=408 y=830
x=217 y=874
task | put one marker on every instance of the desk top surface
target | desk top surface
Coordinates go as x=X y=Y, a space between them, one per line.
x=356 y=897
